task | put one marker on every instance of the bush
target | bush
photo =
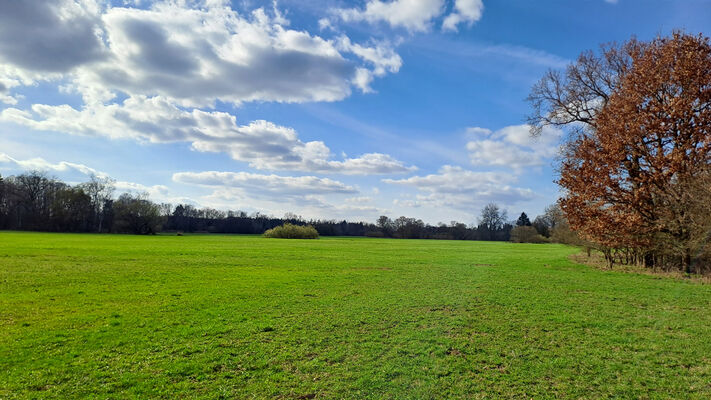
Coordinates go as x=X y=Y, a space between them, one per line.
x=526 y=234
x=291 y=231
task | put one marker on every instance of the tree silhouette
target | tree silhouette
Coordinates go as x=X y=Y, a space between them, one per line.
x=523 y=220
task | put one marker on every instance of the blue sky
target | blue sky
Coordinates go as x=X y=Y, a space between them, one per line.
x=338 y=109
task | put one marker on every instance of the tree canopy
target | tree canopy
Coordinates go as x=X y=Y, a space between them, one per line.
x=639 y=147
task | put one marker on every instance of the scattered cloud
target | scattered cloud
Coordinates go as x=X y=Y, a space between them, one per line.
x=192 y=53
x=278 y=194
x=413 y=15
x=457 y=188
x=270 y=185
x=512 y=146
x=41 y=36
x=154 y=74
x=359 y=199
x=40 y=164
x=381 y=56
x=159 y=193
x=465 y=11
x=262 y=144
x=489 y=52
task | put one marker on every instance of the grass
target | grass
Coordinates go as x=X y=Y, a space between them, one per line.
x=242 y=316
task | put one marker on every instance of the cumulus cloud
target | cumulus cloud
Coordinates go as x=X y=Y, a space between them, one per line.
x=457 y=188
x=159 y=193
x=153 y=74
x=194 y=56
x=262 y=144
x=50 y=36
x=40 y=164
x=277 y=194
x=192 y=53
x=359 y=200
x=265 y=184
x=413 y=15
x=512 y=146
x=380 y=56
x=309 y=206
x=465 y=11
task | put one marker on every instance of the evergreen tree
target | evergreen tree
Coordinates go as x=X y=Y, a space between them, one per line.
x=523 y=220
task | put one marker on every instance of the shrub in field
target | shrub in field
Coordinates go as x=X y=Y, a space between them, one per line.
x=290 y=231
x=526 y=234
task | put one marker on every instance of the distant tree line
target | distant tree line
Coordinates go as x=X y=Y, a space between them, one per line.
x=34 y=201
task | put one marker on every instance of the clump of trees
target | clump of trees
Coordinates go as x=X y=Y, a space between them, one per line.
x=136 y=214
x=525 y=232
x=493 y=225
x=291 y=231
x=34 y=201
x=636 y=165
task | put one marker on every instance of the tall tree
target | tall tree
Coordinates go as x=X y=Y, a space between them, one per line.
x=99 y=190
x=646 y=138
x=492 y=218
x=136 y=214
x=523 y=220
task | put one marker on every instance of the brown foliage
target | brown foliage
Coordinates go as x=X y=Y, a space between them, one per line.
x=635 y=176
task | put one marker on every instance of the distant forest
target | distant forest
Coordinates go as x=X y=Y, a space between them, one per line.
x=33 y=201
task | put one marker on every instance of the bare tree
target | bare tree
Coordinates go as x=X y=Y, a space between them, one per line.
x=100 y=190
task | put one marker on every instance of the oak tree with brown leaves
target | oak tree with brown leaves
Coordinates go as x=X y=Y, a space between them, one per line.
x=640 y=145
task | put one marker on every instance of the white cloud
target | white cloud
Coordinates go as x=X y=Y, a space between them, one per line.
x=192 y=53
x=262 y=144
x=381 y=56
x=170 y=62
x=194 y=56
x=512 y=146
x=452 y=179
x=359 y=199
x=265 y=184
x=158 y=193
x=457 y=188
x=498 y=53
x=467 y=11
x=413 y=15
x=6 y=98
x=308 y=206
x=324 y=24
x=40 y=164
x=42 y=36
x=278 y=194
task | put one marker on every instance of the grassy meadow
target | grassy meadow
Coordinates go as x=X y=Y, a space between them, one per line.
x=113 y=316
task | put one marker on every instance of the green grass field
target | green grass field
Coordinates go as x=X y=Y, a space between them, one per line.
x=110 y=316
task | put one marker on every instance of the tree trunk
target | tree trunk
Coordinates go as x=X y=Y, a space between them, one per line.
x=687 y=261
